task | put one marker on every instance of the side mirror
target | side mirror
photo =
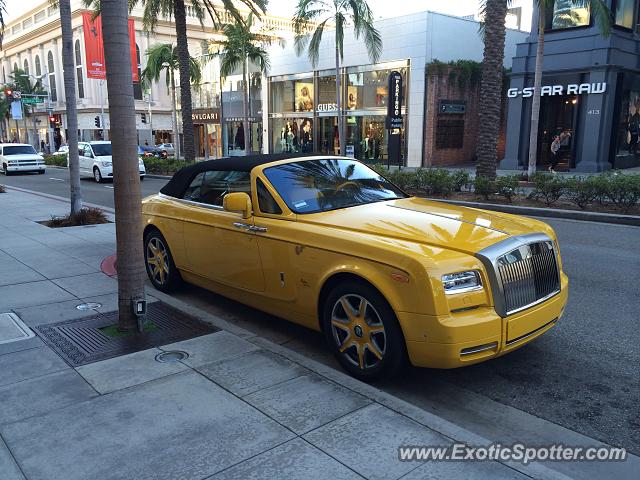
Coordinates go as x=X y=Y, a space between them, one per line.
x=237 y=202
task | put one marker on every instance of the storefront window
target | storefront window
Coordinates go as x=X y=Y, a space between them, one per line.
x=369 y=89
x=292 y=95
x=367 y=137
x=629 y=126
x=569 y=14
x=326 y=92
x=624 y=13
x=292 y=135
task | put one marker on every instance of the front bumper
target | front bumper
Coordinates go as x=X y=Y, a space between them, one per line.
x=477 y=335
x=26 y=168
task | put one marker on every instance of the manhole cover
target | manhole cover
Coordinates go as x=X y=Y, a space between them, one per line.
x=172 y=356
x=84 y=340
x=83 y=307
x=13 y=329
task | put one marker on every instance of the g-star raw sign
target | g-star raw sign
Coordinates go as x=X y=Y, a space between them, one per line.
x=394 y=107
x=551 y=90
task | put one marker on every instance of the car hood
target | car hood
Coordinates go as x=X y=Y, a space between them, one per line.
x=418 y=220
x=103 y=158
x=24 y=156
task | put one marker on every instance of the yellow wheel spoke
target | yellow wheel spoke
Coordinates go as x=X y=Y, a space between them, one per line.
x=348 y=309
x=346 y=345
x=360 y=349
x=375 y=330
x=340 y=324
x=373 y=349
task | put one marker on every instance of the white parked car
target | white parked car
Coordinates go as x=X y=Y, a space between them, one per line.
x=166 y=147
x=20 y=157
x=95 y=160
x=63 y=150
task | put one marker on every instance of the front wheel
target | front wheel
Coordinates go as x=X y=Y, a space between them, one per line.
x=363 y=331
x=97 y=175
x=5 y=169
x=159 y=263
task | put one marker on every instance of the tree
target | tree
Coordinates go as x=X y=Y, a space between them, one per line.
x=154 y=10
x=310 y=20
x=240 y=47
x=164 y=57
x=22 y=83
x=490 y=102
x=601 y=13
x=126 y=179
x=69 y=70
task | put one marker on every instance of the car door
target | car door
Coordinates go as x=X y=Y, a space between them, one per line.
x=82 y=160
x=218 y=245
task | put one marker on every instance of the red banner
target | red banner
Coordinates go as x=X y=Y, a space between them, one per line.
x=94 y=49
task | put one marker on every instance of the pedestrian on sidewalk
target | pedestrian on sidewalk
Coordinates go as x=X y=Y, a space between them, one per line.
x=555 y=148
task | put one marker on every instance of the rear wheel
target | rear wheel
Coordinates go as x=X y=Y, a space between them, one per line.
x=159 y=263
x=97 y=175
x=363 y=331
x=41 y=172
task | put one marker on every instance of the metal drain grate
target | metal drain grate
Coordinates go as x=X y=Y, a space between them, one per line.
x=82 y=341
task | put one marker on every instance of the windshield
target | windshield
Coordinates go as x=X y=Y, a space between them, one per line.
x=319 y=185
x=101 y=149
x=19 y=150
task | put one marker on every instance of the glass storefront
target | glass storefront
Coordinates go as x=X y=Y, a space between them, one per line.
x=304 y=113
x=627 y=129
x=624 y=13
x=568 y=14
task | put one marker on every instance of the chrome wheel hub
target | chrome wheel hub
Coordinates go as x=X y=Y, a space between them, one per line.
x=358 y=331
x=157 y=260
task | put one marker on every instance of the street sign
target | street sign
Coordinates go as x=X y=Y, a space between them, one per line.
x=32 y=100
x=448 y=107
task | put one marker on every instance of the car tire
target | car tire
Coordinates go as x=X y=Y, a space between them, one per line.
x=368 y=344
x=97 y=175
x=162 y=273
x=6 y=170
x=41 y=172
x=142 y=178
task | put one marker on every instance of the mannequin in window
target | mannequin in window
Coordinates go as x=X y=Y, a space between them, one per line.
x=294 y=130
x=289 y=137
x=239 y=140
x=283 y=139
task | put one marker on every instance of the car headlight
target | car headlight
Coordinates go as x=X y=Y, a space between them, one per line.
x=105 y=163
x=461 y=282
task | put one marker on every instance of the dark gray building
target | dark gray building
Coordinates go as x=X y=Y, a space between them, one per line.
x=590 y=95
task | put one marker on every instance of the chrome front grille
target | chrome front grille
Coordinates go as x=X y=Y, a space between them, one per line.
x=523 y=271
x=529 y=274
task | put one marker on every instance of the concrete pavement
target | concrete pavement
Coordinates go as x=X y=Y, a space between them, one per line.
x=237 y=407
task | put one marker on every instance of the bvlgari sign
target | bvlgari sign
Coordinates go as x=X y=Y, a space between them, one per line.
x=205 y=115
x=551 y=90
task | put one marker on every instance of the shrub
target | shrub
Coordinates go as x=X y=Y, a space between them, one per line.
x=548 y=188
x=507 y=187
x=86 y=216
x=2 y=189
x=402 y=178
x=434 y=181
x=460 y=179
x=55 y=160
x=622 y=190
x=584 y=191
x=163 y=166
x=484 y=186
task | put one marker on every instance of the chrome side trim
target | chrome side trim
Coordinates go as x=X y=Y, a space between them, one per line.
x=489 y=258
x=465 y=289
x=479 y=348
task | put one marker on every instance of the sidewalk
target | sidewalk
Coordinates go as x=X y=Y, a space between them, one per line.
x=238 y=407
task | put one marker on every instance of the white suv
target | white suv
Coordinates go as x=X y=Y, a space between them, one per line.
x=95 y=160
x=20 y=157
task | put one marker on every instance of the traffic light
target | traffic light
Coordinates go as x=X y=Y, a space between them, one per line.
x=52 y=121
x=8 y=91
x=143 y=117
x=96 y=120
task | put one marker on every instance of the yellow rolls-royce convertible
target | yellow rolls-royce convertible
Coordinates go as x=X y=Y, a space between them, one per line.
x=328 y=243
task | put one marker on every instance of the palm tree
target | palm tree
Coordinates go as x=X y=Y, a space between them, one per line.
x=22 y=83
x=494 y=30
x=240 y=47
x=316 y=15
x=126 y=180
x=164 y=57
x=602 y=14
x=154 y=10
x=69 y=70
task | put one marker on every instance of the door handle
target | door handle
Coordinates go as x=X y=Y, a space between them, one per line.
x=242 y=226
x=254 y=228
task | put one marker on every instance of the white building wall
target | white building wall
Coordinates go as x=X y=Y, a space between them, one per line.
x=420 y=38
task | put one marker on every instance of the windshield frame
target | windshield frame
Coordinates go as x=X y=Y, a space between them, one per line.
x=400 y=194
x=4 y=150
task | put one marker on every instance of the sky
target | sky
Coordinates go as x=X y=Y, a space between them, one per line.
x=381 y=8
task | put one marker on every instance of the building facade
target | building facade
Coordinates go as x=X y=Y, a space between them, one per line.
x=590 y=95
x=302 y=113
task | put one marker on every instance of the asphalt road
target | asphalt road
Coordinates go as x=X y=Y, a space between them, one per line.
x=583 y=375
x=55 y=181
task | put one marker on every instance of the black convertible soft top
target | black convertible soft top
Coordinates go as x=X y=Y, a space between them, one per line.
x=183 y=177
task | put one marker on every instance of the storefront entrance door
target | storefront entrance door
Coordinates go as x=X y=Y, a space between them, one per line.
x=558 y=117
x=328 y=141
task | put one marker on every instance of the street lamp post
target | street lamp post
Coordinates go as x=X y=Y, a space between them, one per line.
x=176 y=139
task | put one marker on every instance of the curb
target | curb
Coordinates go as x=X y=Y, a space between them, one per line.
x=426 y=419
x=58 y=198
x=613 y=218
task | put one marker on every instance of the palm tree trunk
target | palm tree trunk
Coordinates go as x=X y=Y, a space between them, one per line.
x=339 y=102
x=245 y=107
x=174 y=115
x=491 y=88
x=535 y=104
x=126 y=179
x=70 y=99
x=180 y=16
